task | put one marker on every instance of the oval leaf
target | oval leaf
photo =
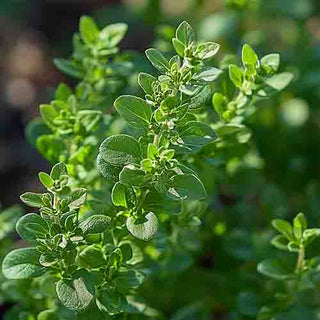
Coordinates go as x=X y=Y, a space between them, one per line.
x=144 y=231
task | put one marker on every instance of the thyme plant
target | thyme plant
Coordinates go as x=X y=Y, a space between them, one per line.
x=107 y=192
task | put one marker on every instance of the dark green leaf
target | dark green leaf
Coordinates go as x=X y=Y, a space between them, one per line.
x=136 y=111
x=157 y=60
x=32 y=226
x=32 y=199
x=120 y=150
x=22 y=264
x=186 y=187
x=95 y=224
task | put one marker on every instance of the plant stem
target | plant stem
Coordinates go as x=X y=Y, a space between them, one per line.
x=301 y=256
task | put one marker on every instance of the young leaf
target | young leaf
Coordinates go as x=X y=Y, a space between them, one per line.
x=299 y=225
x=236 y=75
x=78 y=293
x=283 y=227
x=118 y=195
x=32 y=199
x=32 y=226
x=58 y=170
x=157 y=60
x=186 y=187
x=95 y=224
x=113 y=33
x=249 y=57
x=185 y=33
x=219 y=102
x=146 y=81
x=136 y=111
x=280 y=242
x=22 y=264
x=120 y=150
x=88 y=30
x=46 y=180
x=146 y=230
x=48 y=114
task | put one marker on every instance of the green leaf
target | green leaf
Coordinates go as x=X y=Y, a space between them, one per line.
x=88 y=30
x=113 y=33
x=280 y=242
x=63 y=92
x=32 y=199
x=89 y=119
x=178 y=46
x=48 y=315
x=236 y=75
x=200 y=98
x=58 y=170
x=109 y=171
x=136 y=111
x=146 y=81
x=77 y=198
x=68 y=67
x=22 y=264
x=32 y=226
x=95 y=224
x=299 y=225
x=78 y=293
x=274 y=268
x=186 y=187
x=283 y=227
x=111 y=301
x=118 y=195
x=48 y=114
x=208 y=74
x=46 y=180
x=146 y=230
x=157 y=60
x=129 y=279
x=271 y=61
x=120 y=150
x=219 y=102
x=196 y=133
x=249 y=57
x=133 y=176
x=91 y=257
x=185 y=33
x=279 y=81
x=207 y=50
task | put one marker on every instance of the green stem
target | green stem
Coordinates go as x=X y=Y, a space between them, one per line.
x=301 y=257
